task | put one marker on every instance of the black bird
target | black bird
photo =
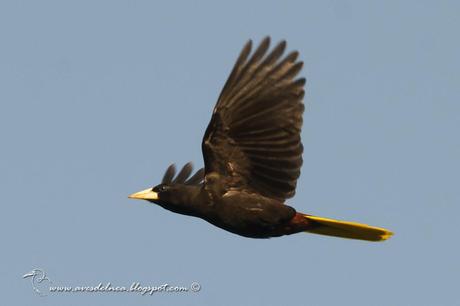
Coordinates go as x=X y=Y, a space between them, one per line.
x=252 y=156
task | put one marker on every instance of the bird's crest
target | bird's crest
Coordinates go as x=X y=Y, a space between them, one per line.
x=183 y=176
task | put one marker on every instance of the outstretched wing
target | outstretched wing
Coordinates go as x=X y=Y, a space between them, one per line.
x=184 y=175
x=254 y=135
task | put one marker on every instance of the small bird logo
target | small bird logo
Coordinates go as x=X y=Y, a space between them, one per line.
x=252 y=153
x=37 y=276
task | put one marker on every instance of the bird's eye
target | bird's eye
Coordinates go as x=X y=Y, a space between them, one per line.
x=162 y=188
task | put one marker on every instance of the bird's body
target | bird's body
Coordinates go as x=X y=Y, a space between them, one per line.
x=241 y=212
x=248 y=214
x=253 y=154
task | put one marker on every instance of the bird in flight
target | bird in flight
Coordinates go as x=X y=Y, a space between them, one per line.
x=252 y=154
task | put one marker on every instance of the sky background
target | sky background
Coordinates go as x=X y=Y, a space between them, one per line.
x=99 y=97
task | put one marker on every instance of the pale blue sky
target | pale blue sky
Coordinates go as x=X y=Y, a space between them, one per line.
x=99 y=97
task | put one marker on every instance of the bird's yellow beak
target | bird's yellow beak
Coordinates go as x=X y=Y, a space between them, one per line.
x=146 y=194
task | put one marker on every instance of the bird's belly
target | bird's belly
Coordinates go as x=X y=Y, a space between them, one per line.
x=254 y=220
x=255 y=230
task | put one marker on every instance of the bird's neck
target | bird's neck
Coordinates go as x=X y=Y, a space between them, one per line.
x=189 y=200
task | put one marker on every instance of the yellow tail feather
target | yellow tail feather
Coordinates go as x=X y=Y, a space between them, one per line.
x=346 y=229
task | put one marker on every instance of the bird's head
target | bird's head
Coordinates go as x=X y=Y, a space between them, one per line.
x=173 y=193
x=159 y=193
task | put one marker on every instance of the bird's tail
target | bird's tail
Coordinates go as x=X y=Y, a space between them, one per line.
x=345 y=229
